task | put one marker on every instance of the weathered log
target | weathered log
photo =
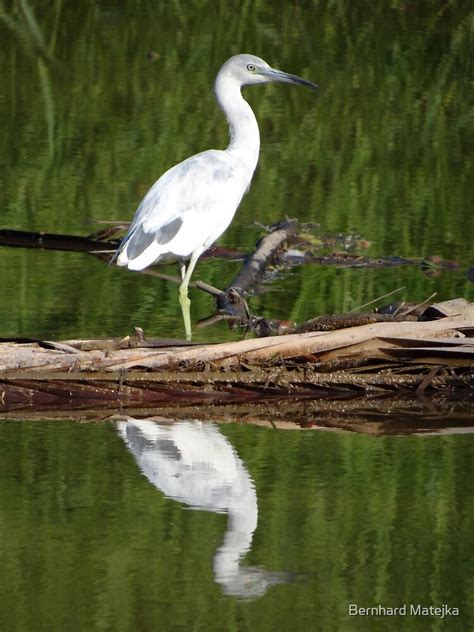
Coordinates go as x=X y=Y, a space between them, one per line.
x=365 y=341
x=85 y=389
x=231 y=301
x=421 y=357
x=343 y=321
x=263 y=255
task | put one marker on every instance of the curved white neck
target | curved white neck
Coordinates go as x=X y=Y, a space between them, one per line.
x=243 y=128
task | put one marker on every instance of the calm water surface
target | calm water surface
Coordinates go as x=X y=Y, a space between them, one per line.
x=145 y=526
x=87 y=124
x=190 y=527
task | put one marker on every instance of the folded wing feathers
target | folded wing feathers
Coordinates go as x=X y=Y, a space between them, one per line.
x=188 y=190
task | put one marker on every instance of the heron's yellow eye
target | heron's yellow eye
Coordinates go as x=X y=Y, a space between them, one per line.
x=250 y=67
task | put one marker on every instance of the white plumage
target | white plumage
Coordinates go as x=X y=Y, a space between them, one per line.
x=173 y=219
x=194 y=464
x=193 y=203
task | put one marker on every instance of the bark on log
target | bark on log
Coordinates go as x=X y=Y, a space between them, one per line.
x=231 y=300
x=343 y=321
x=355 y=343
x=421 y=357
x=265 y=252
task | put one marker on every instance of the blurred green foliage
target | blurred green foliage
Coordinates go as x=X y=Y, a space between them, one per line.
x=384 y=150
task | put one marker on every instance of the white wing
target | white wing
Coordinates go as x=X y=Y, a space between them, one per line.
x=185 y=210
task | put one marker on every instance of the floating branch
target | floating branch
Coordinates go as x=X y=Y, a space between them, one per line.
x=52 y=241
x=264 y=254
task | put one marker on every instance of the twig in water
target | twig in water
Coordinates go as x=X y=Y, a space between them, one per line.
x=399 y=308
x=210 y=320
x=412 y=309
x=200 y=285
x=375 y=300
x=267 y=229
x=210 y=289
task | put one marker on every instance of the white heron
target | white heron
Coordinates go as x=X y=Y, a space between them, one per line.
x=194 y=464
x=193 y=203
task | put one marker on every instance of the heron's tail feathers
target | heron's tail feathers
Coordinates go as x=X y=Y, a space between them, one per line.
x=141 y=260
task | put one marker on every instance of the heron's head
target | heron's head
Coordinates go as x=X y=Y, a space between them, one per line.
x=249 y=69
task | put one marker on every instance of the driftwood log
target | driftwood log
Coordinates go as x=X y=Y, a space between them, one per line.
x=375 y=359
x=264 y=254
x=369 y=364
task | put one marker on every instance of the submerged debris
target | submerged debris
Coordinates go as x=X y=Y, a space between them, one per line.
x=402 y=350
x=435 y=356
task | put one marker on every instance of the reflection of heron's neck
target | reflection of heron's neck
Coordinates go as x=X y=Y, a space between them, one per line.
x=241 y=525
x=195 y=465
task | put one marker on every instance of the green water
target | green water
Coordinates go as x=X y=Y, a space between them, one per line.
x=88 y=124
x=87 y=540
x=89 y=543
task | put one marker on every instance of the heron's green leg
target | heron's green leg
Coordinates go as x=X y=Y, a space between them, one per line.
x=183 y=294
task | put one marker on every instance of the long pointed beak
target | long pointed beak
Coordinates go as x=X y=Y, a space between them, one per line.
x=278 y=75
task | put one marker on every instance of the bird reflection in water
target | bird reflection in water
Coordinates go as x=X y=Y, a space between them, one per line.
x=194 y=464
